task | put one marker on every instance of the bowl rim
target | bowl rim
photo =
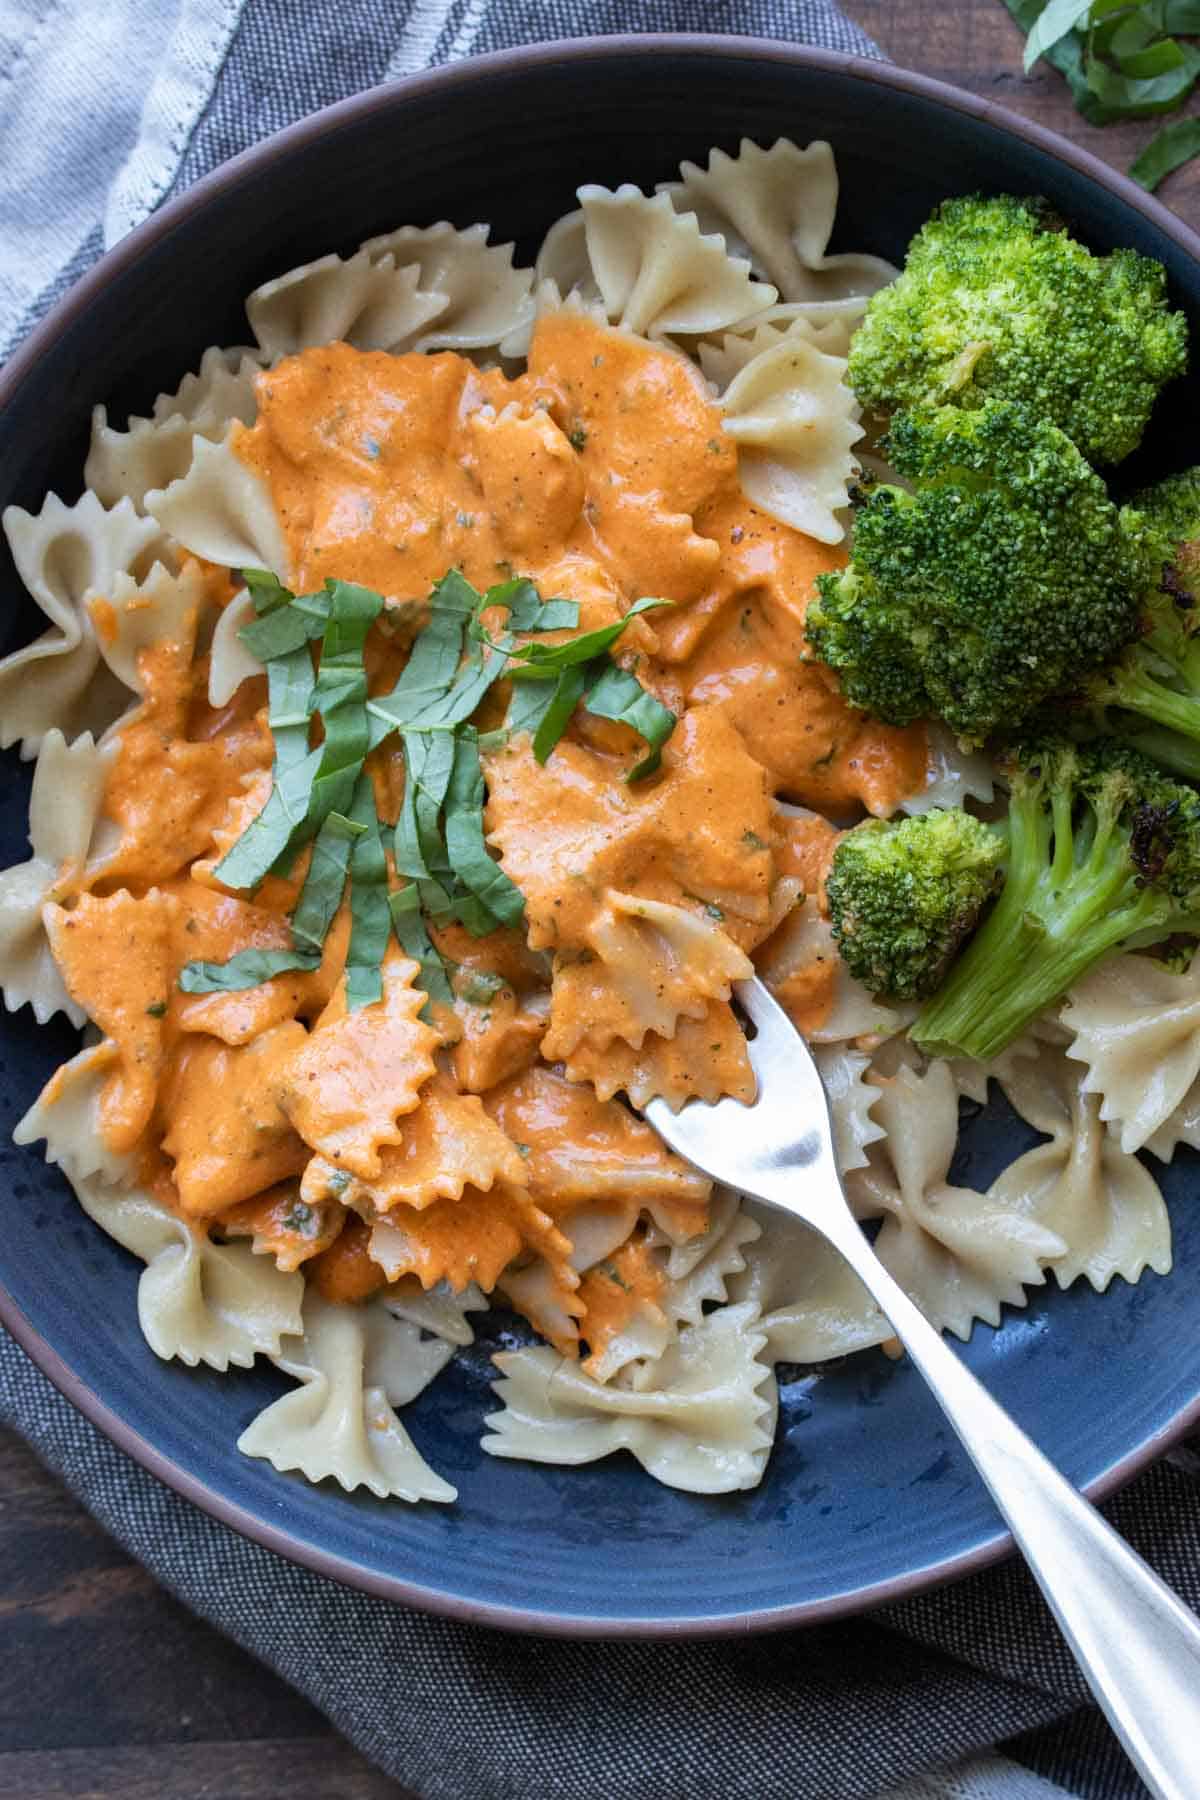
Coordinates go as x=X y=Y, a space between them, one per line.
x=447 y=79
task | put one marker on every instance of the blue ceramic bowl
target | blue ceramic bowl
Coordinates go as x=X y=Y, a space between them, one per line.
x=867 y=1496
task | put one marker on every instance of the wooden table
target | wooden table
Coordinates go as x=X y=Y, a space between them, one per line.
x=108 y=1687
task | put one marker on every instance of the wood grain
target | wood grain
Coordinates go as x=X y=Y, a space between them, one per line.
x=108 y=1687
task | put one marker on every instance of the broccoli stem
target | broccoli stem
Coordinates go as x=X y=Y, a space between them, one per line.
x=1138 y=690
x=1056 y=916
x=1181 y=754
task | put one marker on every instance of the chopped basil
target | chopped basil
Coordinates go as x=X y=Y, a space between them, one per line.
x=286 y=626
x=325 y=881
x=478 y=987
x=249 y=968
x=415 y=941
x=555 y=715
x=469 y=857
x=583 y=648
x=323 y=797
x=527 y=611
x=157 y=1010
x=620 y=696
x=339 y=696
x=266 y=590
x=370 y=916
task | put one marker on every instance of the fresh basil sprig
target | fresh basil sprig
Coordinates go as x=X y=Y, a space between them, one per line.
x=1122 y=59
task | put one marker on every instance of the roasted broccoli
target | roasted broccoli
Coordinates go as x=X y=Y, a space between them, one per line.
x=996 y=301
x=1150 y=696
x=1103 y=854
x=1005 y=576
x=904 y=894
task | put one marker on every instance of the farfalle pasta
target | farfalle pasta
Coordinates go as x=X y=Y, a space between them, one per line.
x=428 y=741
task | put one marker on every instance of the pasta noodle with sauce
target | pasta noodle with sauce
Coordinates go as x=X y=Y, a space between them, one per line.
x=427 y=740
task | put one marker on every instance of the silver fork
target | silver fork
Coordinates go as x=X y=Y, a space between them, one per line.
x=1137 y=1644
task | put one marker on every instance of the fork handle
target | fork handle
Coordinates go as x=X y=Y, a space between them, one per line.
x=1136 y=1642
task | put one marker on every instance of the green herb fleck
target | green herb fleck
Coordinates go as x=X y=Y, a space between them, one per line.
x=478 y=987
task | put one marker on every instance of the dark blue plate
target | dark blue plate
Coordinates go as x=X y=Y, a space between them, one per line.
x=867 y=1495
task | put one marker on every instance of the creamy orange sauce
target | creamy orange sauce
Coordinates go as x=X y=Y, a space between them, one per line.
x=805 y=849
x=603 y=474
x=808 y=993
x=227 y=1133
x=616 y=1290
x=604 y=466
x=344 y=1271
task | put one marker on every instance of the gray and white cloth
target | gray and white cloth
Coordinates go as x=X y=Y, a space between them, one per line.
x=105 y=111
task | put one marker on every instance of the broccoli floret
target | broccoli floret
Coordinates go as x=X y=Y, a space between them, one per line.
x=1005 y=576
x=1172 y=508
x=997 y=301
x=1155 y=683
x=904 y=894
x=1104 y=854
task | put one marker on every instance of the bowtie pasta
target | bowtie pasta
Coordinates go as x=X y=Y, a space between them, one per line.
x=427 y=739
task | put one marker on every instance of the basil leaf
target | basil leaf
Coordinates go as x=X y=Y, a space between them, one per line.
x=556 y=714
x=340 y=697
x=1182 y=16
x=271 y=834
x=1168 y=149
x=370 y=915
x=1124 y=34
x=620 y=696
x=287 y=626
x=433 y=663
x=469 y=856
x=529 y=704
x=417 y=845
x=1155 y=59
x=1067 y=56
x=415 y=941
x=437 y=650
x=527 y=611
x=590 y=644
x=289 y=689
x=266 y=590
x=466 y=695
x=1053 y=21
x=471 y=913
x=325 y=881
x=1127 y=98
x=249 y=968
